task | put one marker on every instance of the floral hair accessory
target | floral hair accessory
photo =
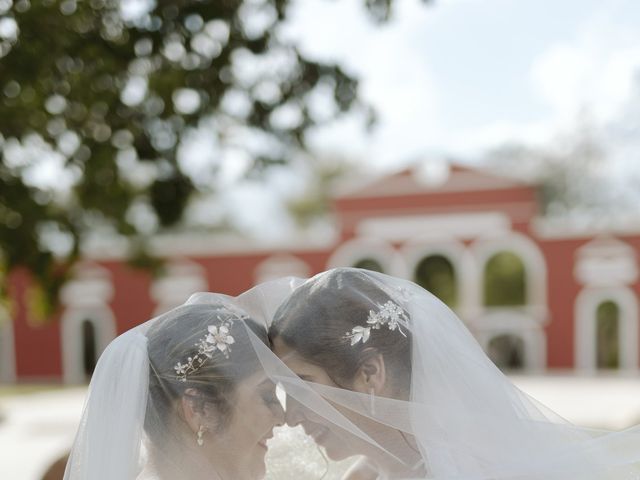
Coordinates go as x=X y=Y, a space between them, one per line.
x=390 y=314
x=217 y=339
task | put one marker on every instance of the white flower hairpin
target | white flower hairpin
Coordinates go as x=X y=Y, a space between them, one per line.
x=217 y=339
x=390 y=314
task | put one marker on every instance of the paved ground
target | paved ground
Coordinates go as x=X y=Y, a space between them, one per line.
x=39 y=427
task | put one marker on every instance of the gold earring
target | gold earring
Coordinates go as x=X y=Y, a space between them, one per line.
x=200 y=440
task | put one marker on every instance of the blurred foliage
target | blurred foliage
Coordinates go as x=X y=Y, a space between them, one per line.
x=436 y=274
x=107 y=93
x=505 y=281
x=315 y=202
x=571 y=172
x=608 y=335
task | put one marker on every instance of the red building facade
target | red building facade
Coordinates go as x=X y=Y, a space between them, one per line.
x=536 y=294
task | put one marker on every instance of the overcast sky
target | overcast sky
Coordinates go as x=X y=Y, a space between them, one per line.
x=458 y=77
x=462 y=75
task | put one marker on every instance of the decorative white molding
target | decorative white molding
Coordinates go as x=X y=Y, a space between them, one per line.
x=534 y=264
x=182 y=279
x=465 y=269
x=281 y=265
x=570 y=228
x=7 y=348
x=86 y=297
x=586 y=308
x=361 y=248
x=455 y=225
x=606 y=262
x=424 y=179
x=507 y=321
x=91 y=287
x=193 y=244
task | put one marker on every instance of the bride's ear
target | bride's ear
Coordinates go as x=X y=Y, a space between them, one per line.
x=372 y=373
x=192 y=409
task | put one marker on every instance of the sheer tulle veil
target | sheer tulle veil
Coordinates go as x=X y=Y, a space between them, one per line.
x=181 y=396
x=455 y=416
x=460 y=416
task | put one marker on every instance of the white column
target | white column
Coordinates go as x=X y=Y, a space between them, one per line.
x=86 y=297
x=7 y=348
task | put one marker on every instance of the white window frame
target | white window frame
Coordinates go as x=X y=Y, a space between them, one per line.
x=534 y=264
x=464 y=266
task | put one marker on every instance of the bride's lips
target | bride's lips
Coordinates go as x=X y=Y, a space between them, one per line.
x=265 y=439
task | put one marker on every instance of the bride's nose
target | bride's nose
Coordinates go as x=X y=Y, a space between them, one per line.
x=294 y=413
x=279 y=415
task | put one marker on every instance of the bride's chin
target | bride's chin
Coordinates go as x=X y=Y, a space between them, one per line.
x=260 y=468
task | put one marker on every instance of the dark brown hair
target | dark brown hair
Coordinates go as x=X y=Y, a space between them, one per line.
x=173 y=339
x=315 y=319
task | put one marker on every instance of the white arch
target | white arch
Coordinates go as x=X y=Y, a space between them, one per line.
x=464 y=265
x=182 y=279
x=73 y=339
x=586 y=306
x=521 y=325
x=360 y=248
x=281 y=265
x=534 y=264
x=86 y=297
x=7 y=348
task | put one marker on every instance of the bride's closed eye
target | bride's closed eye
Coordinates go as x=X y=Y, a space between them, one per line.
x=270 y=398
x=268 y=395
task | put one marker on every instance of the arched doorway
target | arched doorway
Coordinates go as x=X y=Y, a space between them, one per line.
x=436 y=274
x=505 y=281
x=608 y=335
x=89 y=348
x=369 y=264
x=85 y=335
x=606 y=329
x=507 y=352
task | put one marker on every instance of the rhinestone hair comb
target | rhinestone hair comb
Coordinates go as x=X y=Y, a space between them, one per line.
x=389 y=314
x=216 y=339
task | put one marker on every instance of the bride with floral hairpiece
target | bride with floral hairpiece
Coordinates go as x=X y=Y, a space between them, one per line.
x=379 y=368
x=182 y=396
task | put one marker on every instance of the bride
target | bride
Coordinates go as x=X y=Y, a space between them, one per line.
x=182 y=396
x=380 y=368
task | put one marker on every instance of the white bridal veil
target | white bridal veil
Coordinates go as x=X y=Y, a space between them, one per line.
x=461 y=418
x=182 y=396
x=455 y=415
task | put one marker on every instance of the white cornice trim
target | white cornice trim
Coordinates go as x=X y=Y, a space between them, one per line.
x=568 y=229
x=360 y=248
x=190 y=244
